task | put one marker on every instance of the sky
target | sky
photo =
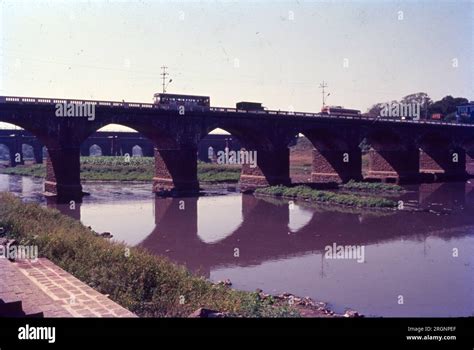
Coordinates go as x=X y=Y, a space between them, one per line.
x=274 y=52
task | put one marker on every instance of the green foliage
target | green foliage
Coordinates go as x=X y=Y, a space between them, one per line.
x=131 y=169
x=309 y=194
x=371 y=186
x=149 y=285
x=447 y=105
x=35 y=170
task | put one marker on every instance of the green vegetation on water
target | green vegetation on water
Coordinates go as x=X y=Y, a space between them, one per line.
x=321 y=207
x=312 y=195
x=35 y=170
x=132 y=169
x=148 y=285
x=371 y=187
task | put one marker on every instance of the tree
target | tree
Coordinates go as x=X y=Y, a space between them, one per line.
x=447 y=105
x=420 y=98
x=375 y=110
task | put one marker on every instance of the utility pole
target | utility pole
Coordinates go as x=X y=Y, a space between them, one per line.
x=164 y=74
x=322 y=86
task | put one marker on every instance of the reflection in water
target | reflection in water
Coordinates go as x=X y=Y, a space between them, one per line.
x=299 y=217
x=281 y=247
x=215 y=222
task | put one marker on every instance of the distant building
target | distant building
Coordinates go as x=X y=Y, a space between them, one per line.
x=465 y=111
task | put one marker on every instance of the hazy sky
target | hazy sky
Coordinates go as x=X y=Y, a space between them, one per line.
x=266 y=51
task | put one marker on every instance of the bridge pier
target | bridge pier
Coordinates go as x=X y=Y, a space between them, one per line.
x=127 y=149
x=16 y=154
x=470 y=161
x=390 y=163
x=105 y=149
x=147 y=150
x=38 y=152
x=332 y=165
x=444 y=163
x=63 y=174
x=176 y=171
x=272 y=168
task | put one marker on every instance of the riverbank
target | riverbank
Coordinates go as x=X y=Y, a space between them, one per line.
x=306 y=193
x=129 y=169
x=147 y=285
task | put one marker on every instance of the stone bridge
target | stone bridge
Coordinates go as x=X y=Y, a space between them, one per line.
x=401 y=150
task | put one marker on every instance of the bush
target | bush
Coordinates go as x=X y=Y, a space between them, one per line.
x=307 y=193
x=371 y=186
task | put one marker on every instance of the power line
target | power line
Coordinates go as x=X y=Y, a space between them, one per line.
x=322 y=86
x=164 y=74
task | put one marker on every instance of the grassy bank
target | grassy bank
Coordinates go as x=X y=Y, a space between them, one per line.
x=371 y=187
x=143 y=283
x=135 y=169
x=309 y=194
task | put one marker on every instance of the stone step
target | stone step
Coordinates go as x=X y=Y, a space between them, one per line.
x=15 y=309
x=11 y=309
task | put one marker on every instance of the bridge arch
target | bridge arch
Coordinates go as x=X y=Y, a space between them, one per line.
x=336 y=155
x=392 y=157
x=264 y=160
x=20 y=144
x=442 y=157
x=175 y=169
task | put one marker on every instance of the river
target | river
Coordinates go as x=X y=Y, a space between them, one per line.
x=415 y=263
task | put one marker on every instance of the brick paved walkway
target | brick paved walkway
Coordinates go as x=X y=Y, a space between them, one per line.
x=44 y=287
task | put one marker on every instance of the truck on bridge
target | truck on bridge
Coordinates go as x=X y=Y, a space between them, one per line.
x=249 y=106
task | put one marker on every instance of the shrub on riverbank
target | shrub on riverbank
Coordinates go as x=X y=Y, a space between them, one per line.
x=132 y=169
x=145 y=284
x=312 y=195
x=371 y=187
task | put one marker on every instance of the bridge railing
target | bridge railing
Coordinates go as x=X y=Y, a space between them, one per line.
x=41 y=100
x=32 y=100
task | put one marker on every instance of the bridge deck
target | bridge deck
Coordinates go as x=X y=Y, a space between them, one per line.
x=140 y=105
